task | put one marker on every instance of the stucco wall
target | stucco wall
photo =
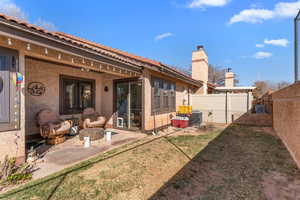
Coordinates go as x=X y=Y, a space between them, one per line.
x=156 y=121
x=48 y=74
x=286 y=118
x=213 y=106
x=12 y=143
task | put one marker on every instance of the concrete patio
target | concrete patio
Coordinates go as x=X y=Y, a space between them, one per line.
x=56 y=158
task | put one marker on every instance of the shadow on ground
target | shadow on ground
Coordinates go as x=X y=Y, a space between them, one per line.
x=242 y=163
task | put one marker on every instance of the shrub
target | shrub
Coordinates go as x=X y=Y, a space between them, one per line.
x=13 y=174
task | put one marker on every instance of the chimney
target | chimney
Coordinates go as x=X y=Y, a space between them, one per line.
x=229 y=79
x=200 y=66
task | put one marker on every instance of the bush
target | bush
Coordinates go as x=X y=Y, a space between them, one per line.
x=13 y=174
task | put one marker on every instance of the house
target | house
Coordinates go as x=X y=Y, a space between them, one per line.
x=230 y=86
x=42 y=69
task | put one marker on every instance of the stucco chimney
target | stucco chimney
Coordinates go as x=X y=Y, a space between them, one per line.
x=229 y=79
x=200 y=66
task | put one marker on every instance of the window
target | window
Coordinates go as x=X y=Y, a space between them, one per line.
x=9 y=94
x=76 y=94
x=163 y=96
x=173 y=96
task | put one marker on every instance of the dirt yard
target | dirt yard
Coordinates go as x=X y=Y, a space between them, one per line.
x=233 y=163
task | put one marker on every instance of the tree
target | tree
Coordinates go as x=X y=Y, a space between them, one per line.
x=216 y=75
x=264 y=86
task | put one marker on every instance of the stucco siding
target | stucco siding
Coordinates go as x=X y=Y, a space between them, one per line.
x=49 y=74
x=286 y=118
x=156 y=121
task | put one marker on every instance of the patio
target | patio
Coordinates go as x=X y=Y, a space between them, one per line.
x=238 y=162
x=58 y=157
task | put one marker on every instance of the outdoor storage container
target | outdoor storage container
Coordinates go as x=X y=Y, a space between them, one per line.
x=176 y=123
x=185 y=109
x=184 y=123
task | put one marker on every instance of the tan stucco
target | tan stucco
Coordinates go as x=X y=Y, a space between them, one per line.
x=229 y=79
x=200 y=65
x=48 y=74
x=286 y=118
x=156 y=121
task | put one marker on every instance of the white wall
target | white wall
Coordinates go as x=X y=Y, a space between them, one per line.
x=213 y=106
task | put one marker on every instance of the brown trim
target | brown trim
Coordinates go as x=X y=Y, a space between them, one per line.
x=48 y=38
x=59 y=63
x=61 y=92
x=18 y=29
x=115 y=82
x=162 y=109
x=81 y=51
x=170 y=72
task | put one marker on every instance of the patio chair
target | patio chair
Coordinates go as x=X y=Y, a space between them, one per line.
x=92 y=119
x=52 y=127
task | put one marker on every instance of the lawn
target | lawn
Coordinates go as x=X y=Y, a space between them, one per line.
x=235 y=163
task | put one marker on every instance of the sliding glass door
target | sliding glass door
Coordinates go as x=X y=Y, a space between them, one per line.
x=128 y=105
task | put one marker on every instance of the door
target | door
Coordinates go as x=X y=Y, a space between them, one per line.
x=9 y=96
x=128 y=105
x=4 y=88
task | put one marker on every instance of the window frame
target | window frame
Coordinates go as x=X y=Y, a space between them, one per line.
x=167 y=94
x=77 y=80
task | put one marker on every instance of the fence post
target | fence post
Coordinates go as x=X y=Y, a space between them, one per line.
x=226 y=107
x=247 y=101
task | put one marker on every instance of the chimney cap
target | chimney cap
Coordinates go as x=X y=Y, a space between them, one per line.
x=199 y=47
x=229 y=69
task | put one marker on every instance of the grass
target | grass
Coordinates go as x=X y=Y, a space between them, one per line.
x=193 y=144
x=233 y=166
x=227 y=164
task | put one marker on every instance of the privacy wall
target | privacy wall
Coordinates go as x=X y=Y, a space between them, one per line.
x=286 y=118
x=222 y=108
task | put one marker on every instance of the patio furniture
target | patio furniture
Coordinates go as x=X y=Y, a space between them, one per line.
x=93 y=133
x=91 y=119
x=75 y=125
x=52 y=127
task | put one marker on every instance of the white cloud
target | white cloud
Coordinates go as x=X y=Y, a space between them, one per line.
x=252 y=16
x=11 y=9
x=260 y=45
x=287 y=9
x=163 y=36
x=46 y=25
x=262 y=55
x=208 y=3
x=281 y=10
x=280 y=42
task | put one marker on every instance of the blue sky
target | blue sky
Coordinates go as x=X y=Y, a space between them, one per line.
x=255 y=38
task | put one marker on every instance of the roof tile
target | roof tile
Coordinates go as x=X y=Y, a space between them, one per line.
x=94 y=46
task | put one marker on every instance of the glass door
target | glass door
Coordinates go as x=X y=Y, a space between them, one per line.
x=128 y=105
x=135 y=105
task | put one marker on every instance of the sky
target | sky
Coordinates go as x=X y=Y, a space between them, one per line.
x=254 y=38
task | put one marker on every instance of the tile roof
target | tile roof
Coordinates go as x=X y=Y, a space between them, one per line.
x=97 y=47
x=117 y=51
